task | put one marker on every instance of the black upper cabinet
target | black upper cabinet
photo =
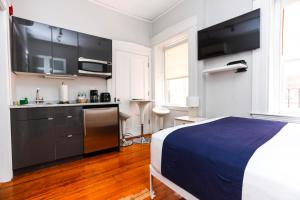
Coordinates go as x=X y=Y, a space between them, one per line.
x=65 y=51
x=95 y=48
x=41 y=48
x=31 y=46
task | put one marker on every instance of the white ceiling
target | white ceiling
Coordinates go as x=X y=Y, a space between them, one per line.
x=147 y=10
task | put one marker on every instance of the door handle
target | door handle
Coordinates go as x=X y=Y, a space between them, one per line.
x=69 y=116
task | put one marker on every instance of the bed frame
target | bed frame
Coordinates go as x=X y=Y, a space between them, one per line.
x=183 y=193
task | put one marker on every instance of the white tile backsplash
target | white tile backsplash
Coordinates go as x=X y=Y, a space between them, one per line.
x=26 y=85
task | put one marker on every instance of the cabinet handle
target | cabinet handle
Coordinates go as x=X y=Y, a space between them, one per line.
x=69 y=136
x=69 y=116
x=50 y=118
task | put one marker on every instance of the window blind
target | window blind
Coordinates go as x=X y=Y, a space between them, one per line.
x=176 y=61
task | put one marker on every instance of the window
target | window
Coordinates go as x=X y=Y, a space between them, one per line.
x=176 y=74
x=290 y=57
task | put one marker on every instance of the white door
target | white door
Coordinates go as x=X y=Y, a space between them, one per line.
x=123 y=66
x=139 y=77
x=132 y=82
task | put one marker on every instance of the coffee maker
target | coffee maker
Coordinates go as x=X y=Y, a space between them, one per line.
x=94 y=96
x=105 y=97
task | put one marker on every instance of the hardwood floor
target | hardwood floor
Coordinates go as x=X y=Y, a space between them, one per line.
x=108 y=176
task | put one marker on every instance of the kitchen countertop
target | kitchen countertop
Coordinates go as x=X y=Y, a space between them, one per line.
x=33 y=105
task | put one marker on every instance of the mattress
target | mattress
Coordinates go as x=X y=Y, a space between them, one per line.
x=273 y=172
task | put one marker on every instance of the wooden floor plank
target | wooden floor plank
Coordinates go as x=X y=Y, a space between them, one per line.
x=108 y=176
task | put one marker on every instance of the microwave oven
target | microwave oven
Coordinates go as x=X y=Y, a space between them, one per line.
x=92 y=67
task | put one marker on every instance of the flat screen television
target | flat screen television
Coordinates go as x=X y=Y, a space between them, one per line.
x=235 y=35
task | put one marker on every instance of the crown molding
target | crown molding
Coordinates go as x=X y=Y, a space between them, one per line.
x=120 y=11
x=149 y=20
x=174 y=30
x=168 y=10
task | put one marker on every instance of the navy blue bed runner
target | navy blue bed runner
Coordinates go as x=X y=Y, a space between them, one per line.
x=209 y=160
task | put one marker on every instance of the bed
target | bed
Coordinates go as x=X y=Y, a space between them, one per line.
x=272 y=171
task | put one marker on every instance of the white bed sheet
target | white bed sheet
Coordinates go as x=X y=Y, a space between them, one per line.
x=273 y=172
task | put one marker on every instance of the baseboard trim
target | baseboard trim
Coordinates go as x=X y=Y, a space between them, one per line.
x=134 y=137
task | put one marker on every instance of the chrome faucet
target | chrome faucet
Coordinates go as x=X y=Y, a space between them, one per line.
x=38 y=99
x=37 y=94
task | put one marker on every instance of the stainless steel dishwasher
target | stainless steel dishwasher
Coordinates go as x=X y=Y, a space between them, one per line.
x=101 y=129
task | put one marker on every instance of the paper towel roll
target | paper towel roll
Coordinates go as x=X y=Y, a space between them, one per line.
x=64 y=93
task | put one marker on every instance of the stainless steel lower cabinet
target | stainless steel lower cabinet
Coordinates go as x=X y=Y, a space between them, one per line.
x=101 y=129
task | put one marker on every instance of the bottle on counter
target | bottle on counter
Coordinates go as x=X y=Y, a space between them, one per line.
x=81 y=98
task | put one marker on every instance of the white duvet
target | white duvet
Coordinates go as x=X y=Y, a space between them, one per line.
x=273 y=172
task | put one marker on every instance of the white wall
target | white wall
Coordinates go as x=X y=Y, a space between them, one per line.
x=228 y=93
x=225 y=93
x=82 y=16
x=5 y=144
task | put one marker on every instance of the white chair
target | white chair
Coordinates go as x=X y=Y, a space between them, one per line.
x=124 y=117
x=161 y=112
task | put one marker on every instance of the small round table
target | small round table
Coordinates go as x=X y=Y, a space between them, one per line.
x=142 y=103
